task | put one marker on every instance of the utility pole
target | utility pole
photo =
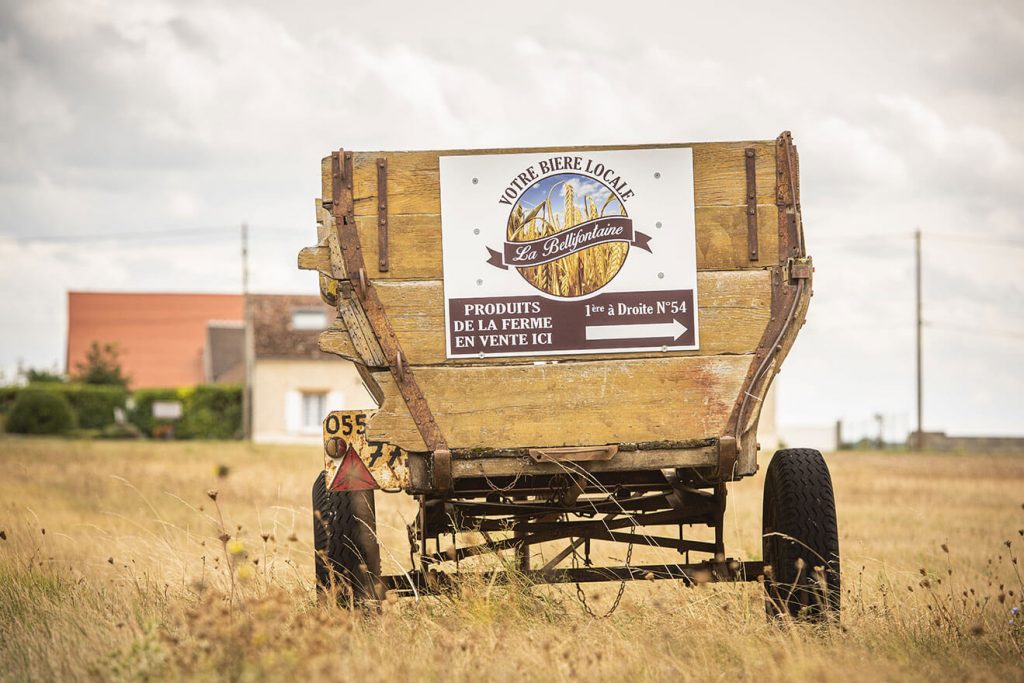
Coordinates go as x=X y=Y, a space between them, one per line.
x=919 y=434
x=248 y=339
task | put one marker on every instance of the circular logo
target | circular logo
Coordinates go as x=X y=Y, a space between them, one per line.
x=545 y=216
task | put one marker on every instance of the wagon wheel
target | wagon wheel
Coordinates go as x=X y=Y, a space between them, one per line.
x=347 y=558
x=801 y=537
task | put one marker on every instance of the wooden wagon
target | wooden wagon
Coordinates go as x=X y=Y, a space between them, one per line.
x=566 y=344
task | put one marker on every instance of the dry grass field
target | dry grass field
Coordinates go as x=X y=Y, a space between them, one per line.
x=112 y=567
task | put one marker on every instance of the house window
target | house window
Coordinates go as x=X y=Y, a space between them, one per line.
x=314 y=409
x=309 y=319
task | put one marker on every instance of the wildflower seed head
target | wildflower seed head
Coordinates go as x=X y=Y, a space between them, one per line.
x=212 y=493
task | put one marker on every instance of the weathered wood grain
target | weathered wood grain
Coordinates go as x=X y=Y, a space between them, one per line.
x=623 y=461
x=337 y=340
x=316 y=258
x=619 y=401
x=414 y=242
x=733 y=309
x=361 y=335
x=719 y=175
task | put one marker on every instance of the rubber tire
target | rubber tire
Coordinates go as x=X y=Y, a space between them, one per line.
x=347 y=555
x=799 y=504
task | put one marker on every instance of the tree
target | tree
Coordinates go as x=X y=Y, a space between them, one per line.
x=102 y=366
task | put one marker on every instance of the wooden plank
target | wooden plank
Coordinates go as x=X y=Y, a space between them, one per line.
x=733 y=309
x=623 y=461
x=617 y=401
x=722 y=238
x=719 y=175
x=414 y=241
x=336 y=340
x=316 y=258
x=361 y=336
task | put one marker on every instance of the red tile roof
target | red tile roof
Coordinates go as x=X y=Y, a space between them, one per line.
x=273 y=326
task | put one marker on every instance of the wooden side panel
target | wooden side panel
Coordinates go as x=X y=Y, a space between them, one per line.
x=568 y=404
x=414 y=185
x=415 y=223
x=514 y=403
x=414 y=242
x=734 y=307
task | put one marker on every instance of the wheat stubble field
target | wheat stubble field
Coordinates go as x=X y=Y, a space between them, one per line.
x=114 y=565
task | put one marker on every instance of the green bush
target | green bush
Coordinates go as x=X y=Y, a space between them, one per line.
x=93 y=405
x=41 y=411
x=8 y=395
x=212 y=411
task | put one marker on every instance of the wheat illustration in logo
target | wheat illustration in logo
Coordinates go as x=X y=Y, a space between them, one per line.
x=581 y=199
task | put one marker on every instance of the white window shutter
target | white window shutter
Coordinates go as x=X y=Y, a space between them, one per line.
x=335 y=401
x=292 y=411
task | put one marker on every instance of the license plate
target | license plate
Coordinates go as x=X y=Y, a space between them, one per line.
x=352 y=463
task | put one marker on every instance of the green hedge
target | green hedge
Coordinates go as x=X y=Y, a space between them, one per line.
x=92 y=404
x=39 y=410
x=211 y=411
x=7 y=396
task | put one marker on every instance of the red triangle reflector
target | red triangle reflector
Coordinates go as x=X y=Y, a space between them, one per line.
x=352 y=474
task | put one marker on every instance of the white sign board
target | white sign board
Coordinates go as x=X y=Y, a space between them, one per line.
x=167 y=410
x=569 y=253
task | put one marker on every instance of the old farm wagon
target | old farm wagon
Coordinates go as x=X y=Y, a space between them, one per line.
x=567 y=346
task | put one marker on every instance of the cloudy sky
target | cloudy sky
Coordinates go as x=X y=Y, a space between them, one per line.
x=169 y=123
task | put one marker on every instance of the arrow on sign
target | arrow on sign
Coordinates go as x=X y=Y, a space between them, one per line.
x=674 y=329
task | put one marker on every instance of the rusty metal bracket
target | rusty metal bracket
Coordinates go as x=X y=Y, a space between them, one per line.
x=441 y=468
x=343 y=209
x=382 y=214
x=751 y=164
x=728 y=452
x=799 y=269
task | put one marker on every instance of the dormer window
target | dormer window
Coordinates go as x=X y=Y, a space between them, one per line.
x=309 y=319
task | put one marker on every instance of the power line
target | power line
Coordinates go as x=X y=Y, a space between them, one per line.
x=979 y=330
x=968 y=239
x=174 y=233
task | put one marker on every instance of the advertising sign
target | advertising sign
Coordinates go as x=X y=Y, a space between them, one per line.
x=563 y=253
